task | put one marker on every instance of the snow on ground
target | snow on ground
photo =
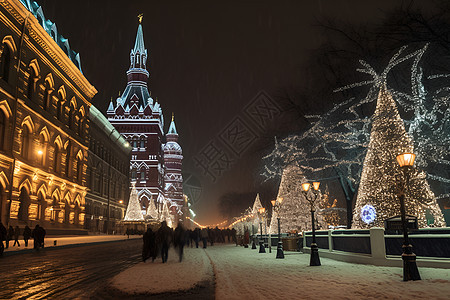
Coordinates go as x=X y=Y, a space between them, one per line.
x=243 y=273
x=156 y=277
x=246 y=274
x=69 y=240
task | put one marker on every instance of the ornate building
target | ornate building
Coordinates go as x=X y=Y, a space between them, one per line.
x=155 y=164
x=44 y=101
x=107 y=176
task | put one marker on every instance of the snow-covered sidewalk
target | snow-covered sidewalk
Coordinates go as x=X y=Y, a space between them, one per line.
x=155 y=277
x=241 y=273
x=68 y=240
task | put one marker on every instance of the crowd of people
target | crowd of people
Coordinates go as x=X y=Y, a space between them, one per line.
x=158 y=242
x=13 y=234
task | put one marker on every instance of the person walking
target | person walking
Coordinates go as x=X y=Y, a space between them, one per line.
x=26 y=235
x=146 y=246
x=3 y=233
x=179 y=239
x=204 y=236
x=16 y=236
x=196 y=236
x=36 y=233
x=9 y=236
x=164 y=236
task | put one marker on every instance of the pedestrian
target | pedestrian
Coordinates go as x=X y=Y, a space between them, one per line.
x=42 y=233
x=38 y=234
x=3 y=233
x=149 y=248
x=26 y=235
x=9 y=236
x=179 y=239
x=164 y=237
x=128 y=232
x=233 y=236
x=204 y=236
x=196 y=236
x=16 y=236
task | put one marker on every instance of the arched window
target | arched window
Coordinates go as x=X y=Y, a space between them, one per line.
x=5 y=62
x=2 y=129
x=68 y=159
x=25 y=143
x=57 y=159
x=133 y=174
x=42 y=152
x=81 y=128
x=67 y=212
x=79 y=169
x=42 y=205
x=47 y=96
x=24 y=199
x=32 y=79
x=142 y=174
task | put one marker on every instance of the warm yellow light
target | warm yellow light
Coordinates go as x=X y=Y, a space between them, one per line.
x=305 y=186
x=262 y=210
x=280 y=200
x=406 y=159
x=40 y=152
x=316 y=185
x=120 y=201
x=273 y=202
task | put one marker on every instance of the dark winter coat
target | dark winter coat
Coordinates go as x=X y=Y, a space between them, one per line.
x=164 y=235
x=10 y=235
x=26 y=233
x=179 y=236
x=3 y=232
x=16 y=233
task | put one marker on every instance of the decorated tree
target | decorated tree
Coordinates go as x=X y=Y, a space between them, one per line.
x=134 y=212
x=295 y=211
x=152 y=212
x=380 y=173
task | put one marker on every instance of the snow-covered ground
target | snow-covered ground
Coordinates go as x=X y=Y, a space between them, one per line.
x=242 y=273
x=156 y=277
x=69 y=240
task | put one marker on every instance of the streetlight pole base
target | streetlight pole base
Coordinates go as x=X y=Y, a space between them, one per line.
x=314 y=259
x=253 y=243
x=262 y=249
x=280 y=253
x=410 y=270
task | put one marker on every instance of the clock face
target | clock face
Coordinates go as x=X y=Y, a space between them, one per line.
x=368 y=214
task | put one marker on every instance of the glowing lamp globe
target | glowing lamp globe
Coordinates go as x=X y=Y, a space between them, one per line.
x=273 y=202
x=40 y=152
x=305 y=186
x=316 y=185
x=406 y=159
x=368 y=214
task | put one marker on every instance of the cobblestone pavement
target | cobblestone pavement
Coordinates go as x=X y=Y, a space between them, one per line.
x=76 y=272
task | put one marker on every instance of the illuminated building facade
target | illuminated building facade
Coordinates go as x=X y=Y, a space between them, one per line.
x=155 y=157
x=107 y=176
x=44 y=126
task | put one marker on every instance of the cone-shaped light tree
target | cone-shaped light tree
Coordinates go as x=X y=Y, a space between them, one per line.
x=152 y=212
x=295 y=211
x=377 y=199
x=134 y=212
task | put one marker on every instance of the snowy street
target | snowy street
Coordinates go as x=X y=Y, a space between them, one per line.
x=241 y=273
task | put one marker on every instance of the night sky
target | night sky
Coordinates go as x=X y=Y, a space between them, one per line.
x=207 y=62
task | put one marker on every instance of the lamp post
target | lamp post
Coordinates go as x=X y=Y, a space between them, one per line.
x=314 y=259
x=410 y=270
x=261 y=241
x=276 y=204
x=253 y=236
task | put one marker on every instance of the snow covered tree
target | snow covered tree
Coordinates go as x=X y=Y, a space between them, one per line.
x=332 y=215
x=379 y=179
x=295 y=211
x=134 y=212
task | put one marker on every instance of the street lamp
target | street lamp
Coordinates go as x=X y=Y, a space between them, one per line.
x=276 y=204
x=410 y=270
x=314 y=259
x=261 y=241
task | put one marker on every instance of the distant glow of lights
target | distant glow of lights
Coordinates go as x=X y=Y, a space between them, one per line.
x=368 y=214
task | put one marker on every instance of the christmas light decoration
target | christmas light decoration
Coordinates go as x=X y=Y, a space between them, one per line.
x=380 y=172
x=134 y=212
x=295 y=209
x=152 y=212
x=337 y=141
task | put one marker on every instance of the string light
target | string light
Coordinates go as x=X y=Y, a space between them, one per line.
x=337 y=141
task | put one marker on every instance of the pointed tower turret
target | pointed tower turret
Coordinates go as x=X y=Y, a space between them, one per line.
x=173 y=156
